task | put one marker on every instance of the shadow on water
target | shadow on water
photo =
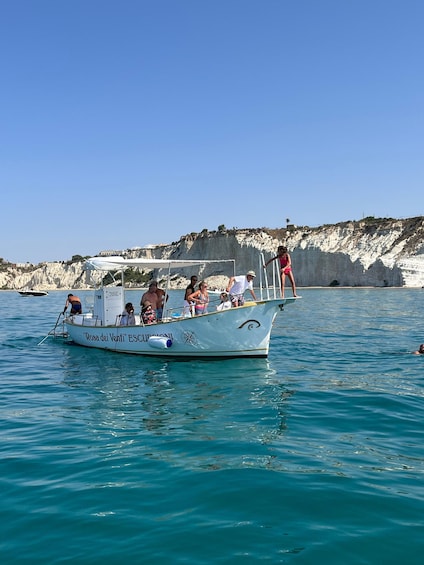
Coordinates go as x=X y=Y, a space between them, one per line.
x=193 y=413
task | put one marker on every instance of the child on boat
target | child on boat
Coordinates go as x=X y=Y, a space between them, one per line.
x=127 y=316
x=148 y=315
x=225 y=302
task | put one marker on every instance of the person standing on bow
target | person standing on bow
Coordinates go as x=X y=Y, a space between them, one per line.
x=237 y=286
x=284 y=261
x=200 y=298
x=75 y=303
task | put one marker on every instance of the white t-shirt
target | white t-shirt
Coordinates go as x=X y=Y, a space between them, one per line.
x=240 y=285
x=224 y=305
x=127 y=319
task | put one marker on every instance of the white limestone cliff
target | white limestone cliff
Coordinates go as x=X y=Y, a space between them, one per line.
x=371 y=252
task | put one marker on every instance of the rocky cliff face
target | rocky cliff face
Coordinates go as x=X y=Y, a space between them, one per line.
x=372 y=252
x=45 y=276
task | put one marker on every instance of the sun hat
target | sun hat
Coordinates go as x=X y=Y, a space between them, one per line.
x=251 y=273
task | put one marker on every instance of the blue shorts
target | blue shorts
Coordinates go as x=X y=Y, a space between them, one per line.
x=76 y=308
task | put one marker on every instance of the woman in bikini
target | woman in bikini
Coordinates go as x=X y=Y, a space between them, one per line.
x=285 y=268
x=200 y=299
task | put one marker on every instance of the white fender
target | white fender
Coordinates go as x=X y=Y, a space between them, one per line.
x=159 y=342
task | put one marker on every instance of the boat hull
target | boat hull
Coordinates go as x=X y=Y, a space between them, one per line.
x=236 y=332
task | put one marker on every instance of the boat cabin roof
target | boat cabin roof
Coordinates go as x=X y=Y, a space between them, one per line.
x=116 y=263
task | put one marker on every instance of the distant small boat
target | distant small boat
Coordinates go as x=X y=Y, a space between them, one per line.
x=32 y=292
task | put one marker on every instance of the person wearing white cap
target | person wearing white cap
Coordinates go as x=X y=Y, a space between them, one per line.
x=237 y=286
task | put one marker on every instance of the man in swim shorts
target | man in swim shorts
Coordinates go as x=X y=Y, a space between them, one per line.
x=75 y=304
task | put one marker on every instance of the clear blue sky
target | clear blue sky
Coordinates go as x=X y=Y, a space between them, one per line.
x=131 y=122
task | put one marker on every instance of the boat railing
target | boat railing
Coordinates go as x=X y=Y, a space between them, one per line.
x=88 y=319
x=188 y=311
x=268 y=288
x=177 y=313
x=137 y=318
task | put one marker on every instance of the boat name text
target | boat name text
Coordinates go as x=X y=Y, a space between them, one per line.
x=124 y=338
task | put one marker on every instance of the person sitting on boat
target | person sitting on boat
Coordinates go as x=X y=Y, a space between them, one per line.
x=420 y=350
x=148 y=315
x=200 y=298
x=189 y=306
x=75 y=303
x=151 y=296
x=127 y=316
x=237 y=287
x=225 y=302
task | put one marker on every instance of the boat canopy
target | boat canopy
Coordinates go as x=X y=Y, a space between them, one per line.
x=116 y=263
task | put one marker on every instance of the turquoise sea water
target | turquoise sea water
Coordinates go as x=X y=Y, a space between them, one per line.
x=315 y=455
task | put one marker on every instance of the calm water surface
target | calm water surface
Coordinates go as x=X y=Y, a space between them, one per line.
x=315 y=455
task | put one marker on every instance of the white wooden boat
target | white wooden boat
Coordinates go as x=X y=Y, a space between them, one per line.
x=236 y=332
x=32 y=292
